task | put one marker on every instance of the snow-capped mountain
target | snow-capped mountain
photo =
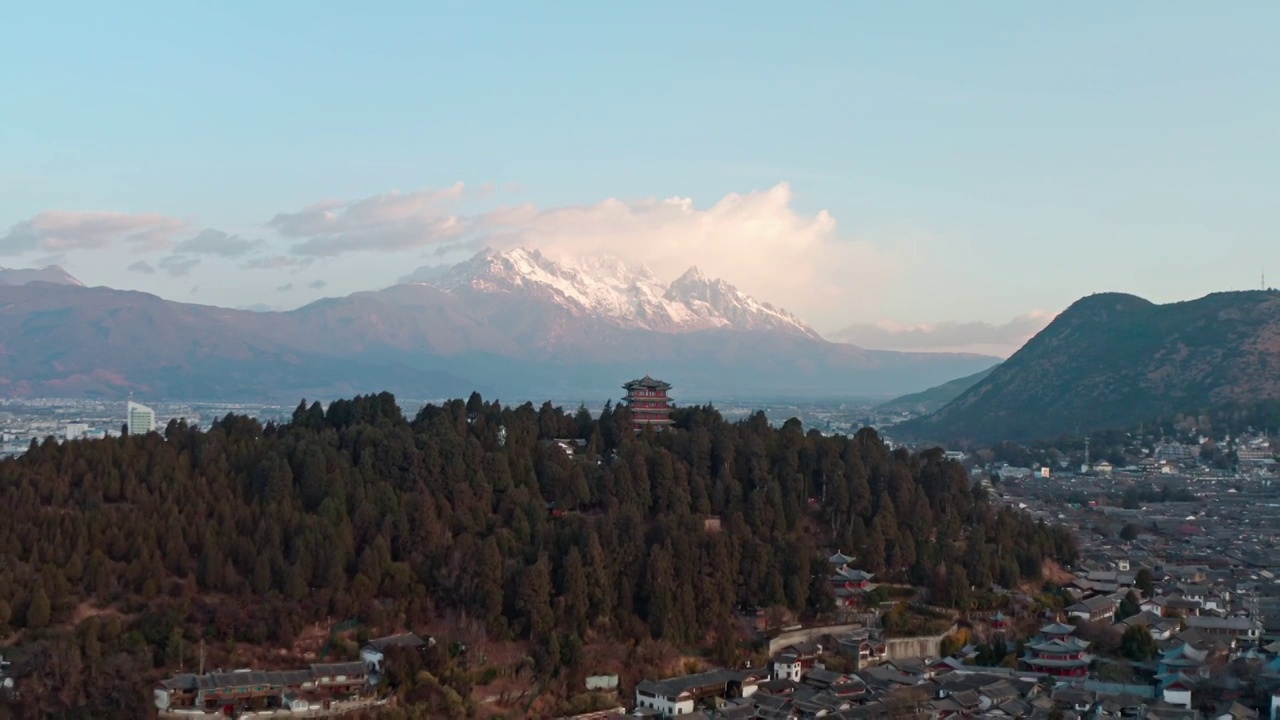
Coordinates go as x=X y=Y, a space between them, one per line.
x=48 y=273
x=607 y=288
x=514 y=323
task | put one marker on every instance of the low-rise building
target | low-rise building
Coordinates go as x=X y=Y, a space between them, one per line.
x=233 y=692
x=681 y=695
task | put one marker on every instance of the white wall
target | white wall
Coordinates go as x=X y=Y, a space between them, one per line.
x=372 y=659
x=664 y=705
x=786 y=671
x=1181 y=698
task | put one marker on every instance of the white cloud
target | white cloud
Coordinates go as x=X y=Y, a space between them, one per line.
x=758 y=240
x=275 y=262
x=57 y=231
x=215 y=242
x=980 y=337
x=389 y=222
x=177 y=265
x=427 y=273
x=142 y=266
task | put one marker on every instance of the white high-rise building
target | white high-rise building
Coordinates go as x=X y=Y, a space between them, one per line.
x=74 y=431
x=141 y=420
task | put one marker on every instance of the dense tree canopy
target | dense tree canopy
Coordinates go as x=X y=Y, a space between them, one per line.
x=245 y=533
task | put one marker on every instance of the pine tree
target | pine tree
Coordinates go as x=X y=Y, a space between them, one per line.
x=574 y=597
x=534 y=600
x=38 y=609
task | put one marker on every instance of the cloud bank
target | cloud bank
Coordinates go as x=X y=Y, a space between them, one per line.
x=216 y=242
x=980 y=337
x=759 y=241
x=383 y=223
x=762 y=241
x=58 y=231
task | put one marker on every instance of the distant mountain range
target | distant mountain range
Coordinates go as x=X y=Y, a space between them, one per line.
x=48 y=273
x=514 y=323
x=927 y=401
x=1113 y=361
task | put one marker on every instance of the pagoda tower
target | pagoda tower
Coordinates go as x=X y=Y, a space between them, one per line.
x=647 y=400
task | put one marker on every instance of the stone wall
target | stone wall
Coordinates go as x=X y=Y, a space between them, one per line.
x=895 y=648
x=915 y=647
x=811 y=633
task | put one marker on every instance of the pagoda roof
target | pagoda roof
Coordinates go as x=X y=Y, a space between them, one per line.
x=1059 y=646
x=1051 y=663
x=852 y=574
x=1057 y=629
x=647 y=383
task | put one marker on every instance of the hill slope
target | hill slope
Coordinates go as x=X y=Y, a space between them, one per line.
x=307 y=515
x=933 y=399
x=1113 y=360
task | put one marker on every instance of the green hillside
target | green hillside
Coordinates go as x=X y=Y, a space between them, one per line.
x=927 y=401
x=1113 y=360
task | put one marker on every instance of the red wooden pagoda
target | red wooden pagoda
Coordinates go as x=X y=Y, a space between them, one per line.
x=1056 y=652
x=647 y=399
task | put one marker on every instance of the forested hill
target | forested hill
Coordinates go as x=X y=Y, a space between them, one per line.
x=1112 y=361
x=248 y=534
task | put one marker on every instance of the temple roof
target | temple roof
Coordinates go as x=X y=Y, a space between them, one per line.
x=646 y=383
x=1059 y=646
x=1052 y=663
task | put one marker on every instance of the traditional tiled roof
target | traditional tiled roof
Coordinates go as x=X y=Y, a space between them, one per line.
x=647 y=383
x=401 y=640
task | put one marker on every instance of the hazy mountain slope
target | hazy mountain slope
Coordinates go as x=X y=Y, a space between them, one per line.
x=71 y=341
x=1112 y=360
x=514 y=323
x=930 y=400
x=48 y=273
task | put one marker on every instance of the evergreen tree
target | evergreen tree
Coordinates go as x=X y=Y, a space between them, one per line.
x=39 y=610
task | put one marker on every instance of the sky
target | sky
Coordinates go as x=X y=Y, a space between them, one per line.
x=939 y=175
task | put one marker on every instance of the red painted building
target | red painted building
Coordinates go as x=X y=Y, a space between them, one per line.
x=1057 y=652
x=847 y=583
x=647 y=399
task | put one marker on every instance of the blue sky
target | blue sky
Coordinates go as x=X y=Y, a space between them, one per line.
x=977 y=161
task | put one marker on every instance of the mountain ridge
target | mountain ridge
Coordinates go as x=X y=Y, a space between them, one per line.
x=528 y=334
x=934 y=398
x=49 y=273
x=1111 y=360
x=607 y=288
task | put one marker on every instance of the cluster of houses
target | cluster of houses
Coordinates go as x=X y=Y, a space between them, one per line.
x=315 y=690
x=1205 y=632
x=916 y=688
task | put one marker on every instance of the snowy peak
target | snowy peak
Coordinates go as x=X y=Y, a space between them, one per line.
x=608 y=288
x=692 y=275
x=48 y=273
x=717 y=297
